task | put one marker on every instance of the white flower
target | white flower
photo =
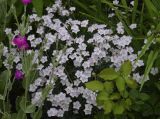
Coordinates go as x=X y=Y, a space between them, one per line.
x=5 y=51
x=31 y=37
x=38 y=41
x=75 y=29
x=88 y=109
x=133 y=26
x=132 y=3
x=37 y=99
x=82 y=46
x=8 y=31
x=16 y=59
x=116 y=2
x=137 y=77
x=65 y=13
x=111 y=15
x=50 y=37
x=120 y=28
x=76 y=105
x=60 y=113
x=52 y=112
x=140 y=63
x=72 y=9
x=39 y=67
x=44 y=59
x=40 y=30
x=32 y=88
x=19 y=66
x=154 y=71
x=84 y=23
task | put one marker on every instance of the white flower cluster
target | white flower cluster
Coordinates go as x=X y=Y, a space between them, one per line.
x=69 y=50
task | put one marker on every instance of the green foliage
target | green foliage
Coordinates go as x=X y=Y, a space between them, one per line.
x=38 y=5
x=102 y=96
x=114 y=97
x=126 y=68
x=118 y=108
x=108 y=74
x=3 y=80
x=151 y=58
x=109 y=86
x=120 y=83
x=151 y=8
x=95 y=85
x=107 y=106
x=131 y=83
x=6 y=116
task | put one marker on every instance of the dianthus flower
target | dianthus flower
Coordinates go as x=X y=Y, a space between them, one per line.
x=25 y=2
x=20 y=42
x=19 y=74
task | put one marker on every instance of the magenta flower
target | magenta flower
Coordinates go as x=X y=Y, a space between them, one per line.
x=20 y=42
x=19 y=75
x=25 y=2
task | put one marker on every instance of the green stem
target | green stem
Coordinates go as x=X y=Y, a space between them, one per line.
x=5 y=92
x=15 y=16
x=23 y=116
x=26 y=81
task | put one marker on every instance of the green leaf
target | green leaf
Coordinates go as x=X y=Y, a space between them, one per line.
x=147 y=110
x=95 y=85
x=134 y=94
x=109 y=86
x=18 y=100
x=151 y=59
x=118 y=108
x=126 y=68
x=120 y=83
x=3 y=80
x=38 y=5
x=157 y=84
x=1 y=97
x=6 y=116
x=144 y=96
x=21 y=114
x=22 y=104
x=115 y=96
x=131 y=83
x=151 y=8
x=135 y=7
x=83 y=6
x=14 y=115
x=157 y=109
x=127 y=103
x=102 y=96
x=38 y=114
x=108 y=74
x=27 y=63
x=30 y=109
x=156 y=4
x=108 y=105
x=146 y=47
